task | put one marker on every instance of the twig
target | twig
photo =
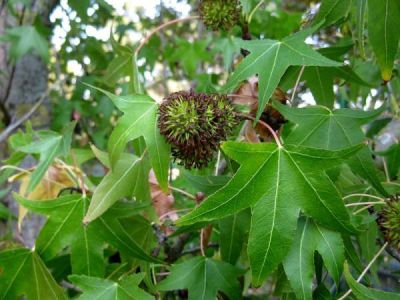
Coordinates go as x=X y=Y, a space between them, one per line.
x=362 y=209
x=365 y=203
x=79 y=175
x=296 y=84
x=393 y=252
x=162 y=26
x=364 y=195
x=25 y=117
x=197 y=249
x=183 y=192
x=386 y=170
x=217 y=164
x=173 y=212
x=270 y=129
x=254 y=10
x=366 y=269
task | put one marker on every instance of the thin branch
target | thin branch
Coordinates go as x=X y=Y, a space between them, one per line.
x=386 y=170
x=364 y=195
x=217 y=164
x=366 y=269
x=296 y=84
x=162 y=26
x=6 y=132
x=171 y=212
x=254 y=10
x=189 y=195
x=79 y=175
x=362 y=209
x=269 y=128
x=365 y=203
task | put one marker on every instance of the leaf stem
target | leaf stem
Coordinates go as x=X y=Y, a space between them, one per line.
x=268 y=127
x=254 y=11
x=183 y=192
x=366 y=269
x=364 y=195
x=365 y=203
x=162 y=26
x=296 y=84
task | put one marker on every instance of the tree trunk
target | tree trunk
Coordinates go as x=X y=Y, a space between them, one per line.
x=21 y=85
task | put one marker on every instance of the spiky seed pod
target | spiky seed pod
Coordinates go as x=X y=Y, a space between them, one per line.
x=217 y=14
x=195 y=124
x=389 y=222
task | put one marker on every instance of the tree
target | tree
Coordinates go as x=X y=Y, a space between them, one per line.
x=244 y=149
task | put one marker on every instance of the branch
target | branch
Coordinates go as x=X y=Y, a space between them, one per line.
x=365 y=270
x=162 y=26
x=269 y=128
x=297 y=84
x=25 y=117
x=364 y=195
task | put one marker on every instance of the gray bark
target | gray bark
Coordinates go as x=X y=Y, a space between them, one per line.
x=21 y=86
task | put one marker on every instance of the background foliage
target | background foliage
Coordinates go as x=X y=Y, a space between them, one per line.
x=95 y=207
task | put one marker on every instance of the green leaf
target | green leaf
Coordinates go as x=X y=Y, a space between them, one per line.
x=98 y=288
x=64 y=228
x=360 y=8
x=383 y=33
x=233 y=231
x=123 y=64
x=48 y=145
x=25 y=39
x=122 y=181
x=299 y=264
x=363 y=293
x=24 y=273
x=190 y=54
x=281 y=181
x=204 y=277
x=228 y=46
x=139 y=119
x=332 y=11
x=271 y=58
x=320 y=80
x=392 y=156
x=110 y=228
x=328 y=129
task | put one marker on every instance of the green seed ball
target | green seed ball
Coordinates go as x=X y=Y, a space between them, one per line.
x=195 y=124
x=389 y=222
x=217 y=14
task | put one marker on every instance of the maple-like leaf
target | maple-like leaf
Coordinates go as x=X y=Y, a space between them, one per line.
x=105 y=289
x=64 y=228
x=204 y=277
x=363 y=293
x=320 y=80
x=190 y=54
x=23 y=273
x=332 y=11
x=123 y=64
x=271 y=58
x=25 y=39
x=277 y=182
x=383 y=22
x=48 y=144
x=139 y=119
x=299 y=264
x=126 y=179
x=323 y=128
